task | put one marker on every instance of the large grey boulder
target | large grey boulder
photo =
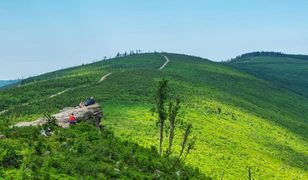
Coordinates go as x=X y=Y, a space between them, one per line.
x=91 y=113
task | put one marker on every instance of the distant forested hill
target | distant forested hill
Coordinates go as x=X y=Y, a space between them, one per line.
x=289 y=71
x=6 y=82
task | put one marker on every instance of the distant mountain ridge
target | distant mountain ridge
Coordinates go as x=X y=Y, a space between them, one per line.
x=268 y=54
x=7 y=82
x=285 y=70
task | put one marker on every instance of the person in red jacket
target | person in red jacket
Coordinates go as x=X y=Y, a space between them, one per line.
x=72 y=119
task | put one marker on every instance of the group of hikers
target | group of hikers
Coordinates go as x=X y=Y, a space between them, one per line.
x=88 y=102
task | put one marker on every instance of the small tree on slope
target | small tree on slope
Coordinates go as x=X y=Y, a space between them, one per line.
x=185 y=138
x=161 y=98
x=172 y=117
x=170 y=113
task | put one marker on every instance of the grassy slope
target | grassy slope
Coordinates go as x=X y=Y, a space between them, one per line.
x=289 y=72
x=260 y=125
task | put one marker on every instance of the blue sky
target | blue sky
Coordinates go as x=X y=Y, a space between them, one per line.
x=38 y=36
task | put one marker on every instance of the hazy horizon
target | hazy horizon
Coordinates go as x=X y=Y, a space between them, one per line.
x=41 y=36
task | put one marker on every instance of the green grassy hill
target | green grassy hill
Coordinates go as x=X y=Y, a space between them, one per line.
x=239 y=120
x=289 y=71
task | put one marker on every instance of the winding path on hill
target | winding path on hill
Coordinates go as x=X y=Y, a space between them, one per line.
x=167 y=61
x=69 y=89
x=104 y=77
x=59 y=93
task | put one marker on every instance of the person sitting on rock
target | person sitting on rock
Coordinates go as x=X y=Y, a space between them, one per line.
x=72 y=119
x=89 y=102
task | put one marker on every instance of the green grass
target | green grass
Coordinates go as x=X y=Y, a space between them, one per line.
x=259 y=125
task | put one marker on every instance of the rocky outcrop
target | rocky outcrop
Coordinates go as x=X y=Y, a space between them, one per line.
x=91 y=113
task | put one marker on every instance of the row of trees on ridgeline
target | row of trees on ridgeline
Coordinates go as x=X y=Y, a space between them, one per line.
x=126 y=53
x=168 y=111
x=268 y=54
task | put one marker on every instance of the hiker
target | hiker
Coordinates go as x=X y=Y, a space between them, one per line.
x=72 y=119
x=89 y=102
